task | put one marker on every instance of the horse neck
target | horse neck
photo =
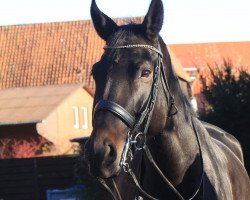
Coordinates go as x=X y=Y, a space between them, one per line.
x=175 y=148
x=176 y=152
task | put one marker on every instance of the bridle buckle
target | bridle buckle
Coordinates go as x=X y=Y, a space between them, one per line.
x=126 y=153
x=139 y=141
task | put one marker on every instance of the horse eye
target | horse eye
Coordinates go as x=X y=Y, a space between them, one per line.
x=145 y=73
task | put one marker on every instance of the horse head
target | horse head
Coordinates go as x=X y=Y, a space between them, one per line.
x=123 y=76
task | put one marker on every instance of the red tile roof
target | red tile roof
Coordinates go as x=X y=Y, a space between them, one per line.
x=53 y=53
x=49 y=54
x=200 y=55
x=64 y=52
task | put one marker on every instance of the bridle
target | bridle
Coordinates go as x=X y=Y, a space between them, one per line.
x=137 y=134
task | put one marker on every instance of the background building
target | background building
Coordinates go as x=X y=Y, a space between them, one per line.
x=49 y=116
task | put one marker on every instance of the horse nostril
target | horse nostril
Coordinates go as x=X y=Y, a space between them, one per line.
x=111 y=152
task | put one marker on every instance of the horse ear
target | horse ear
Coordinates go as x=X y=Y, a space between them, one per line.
x=104 y=26
x=154 y=19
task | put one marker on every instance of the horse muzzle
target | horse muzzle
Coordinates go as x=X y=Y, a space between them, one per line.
x=101 y=158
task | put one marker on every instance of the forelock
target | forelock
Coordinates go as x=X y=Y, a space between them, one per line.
x=125 y=35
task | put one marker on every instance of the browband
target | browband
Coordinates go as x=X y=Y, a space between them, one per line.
x=135 y=46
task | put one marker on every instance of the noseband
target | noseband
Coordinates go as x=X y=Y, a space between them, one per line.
x=138 y=127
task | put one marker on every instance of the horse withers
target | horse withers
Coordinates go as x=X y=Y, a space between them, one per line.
x=145 y=134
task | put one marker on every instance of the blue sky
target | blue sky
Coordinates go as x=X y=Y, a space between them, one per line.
x=186 y=21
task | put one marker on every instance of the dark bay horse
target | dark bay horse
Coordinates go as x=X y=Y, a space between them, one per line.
x=145 y=134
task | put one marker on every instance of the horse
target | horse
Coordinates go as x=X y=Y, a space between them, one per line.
x=146 y=138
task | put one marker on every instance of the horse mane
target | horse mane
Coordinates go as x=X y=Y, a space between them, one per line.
x=174 y=83
x=124 y=33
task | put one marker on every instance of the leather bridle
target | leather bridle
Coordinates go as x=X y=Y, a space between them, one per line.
x=138 y=128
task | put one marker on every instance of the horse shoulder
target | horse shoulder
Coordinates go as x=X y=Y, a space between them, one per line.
x=227 y=139
x=235 y=173
x=225 y=172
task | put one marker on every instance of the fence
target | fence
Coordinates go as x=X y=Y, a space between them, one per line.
x=28 y=179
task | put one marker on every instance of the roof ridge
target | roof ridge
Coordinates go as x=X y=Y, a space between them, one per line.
x=66 y=22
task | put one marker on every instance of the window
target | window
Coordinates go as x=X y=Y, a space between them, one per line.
x=192 y=72
x=85 y=118
x=83 y=115
x=76 y=117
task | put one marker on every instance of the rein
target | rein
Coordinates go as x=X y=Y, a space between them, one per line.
x=137 y=135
